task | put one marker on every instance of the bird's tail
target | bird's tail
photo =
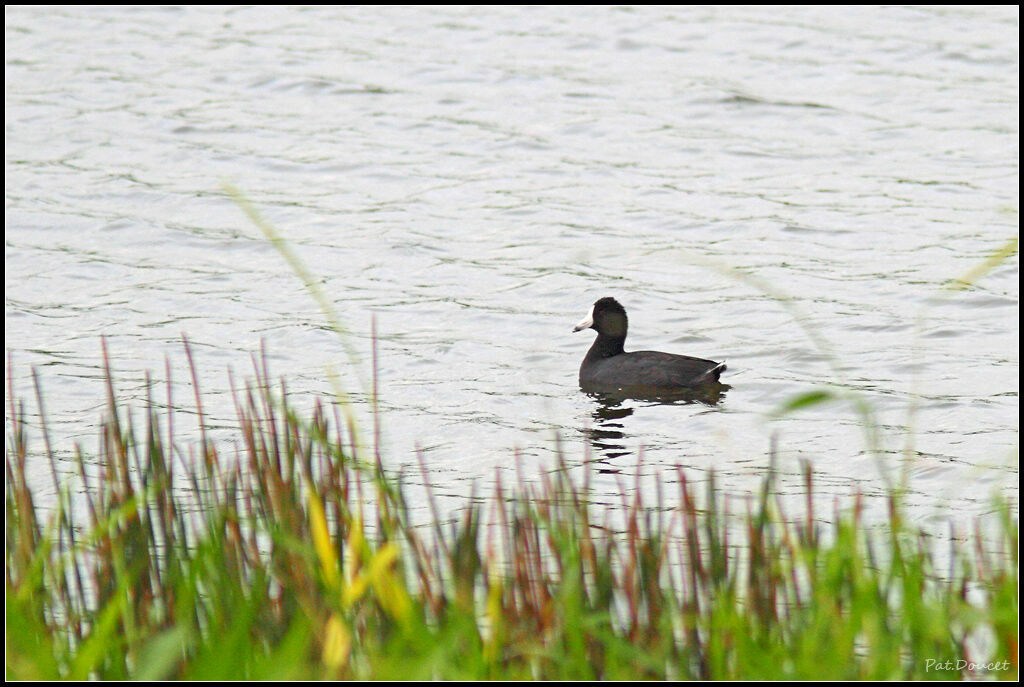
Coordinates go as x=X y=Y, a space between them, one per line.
x=714 y=373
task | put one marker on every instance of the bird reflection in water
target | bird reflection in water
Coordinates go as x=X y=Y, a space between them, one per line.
x=607 y=435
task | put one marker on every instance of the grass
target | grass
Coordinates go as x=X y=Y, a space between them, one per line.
x=292 y=556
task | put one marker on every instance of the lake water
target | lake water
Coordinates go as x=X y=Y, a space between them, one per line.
x=787 y=189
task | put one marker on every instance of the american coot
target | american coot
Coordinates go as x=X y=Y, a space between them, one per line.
x=608 y=367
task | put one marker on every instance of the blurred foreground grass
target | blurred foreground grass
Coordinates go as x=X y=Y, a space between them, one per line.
x=292 y=556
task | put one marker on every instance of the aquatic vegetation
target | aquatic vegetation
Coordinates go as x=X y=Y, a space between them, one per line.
x=290 y=555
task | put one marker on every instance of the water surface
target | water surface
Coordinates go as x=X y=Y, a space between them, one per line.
x=788 y=189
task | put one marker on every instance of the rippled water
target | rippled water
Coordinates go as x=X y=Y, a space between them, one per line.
x=474 y=178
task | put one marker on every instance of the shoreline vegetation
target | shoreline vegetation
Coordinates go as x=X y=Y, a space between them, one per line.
x=292 y=555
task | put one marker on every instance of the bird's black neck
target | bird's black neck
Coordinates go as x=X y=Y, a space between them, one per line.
x=605 y=346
